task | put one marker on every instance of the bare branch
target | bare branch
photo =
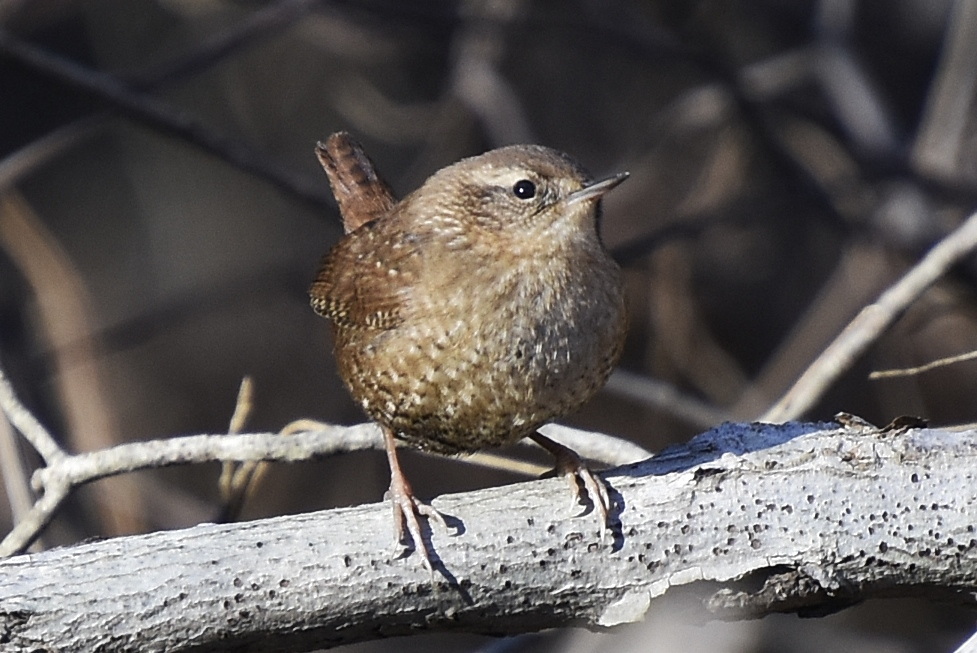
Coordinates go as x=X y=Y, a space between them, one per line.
x=752 y=518
x=61 y=476
x=872 y=321
x=919 y=369
x=27 y=424
x=86 y=467
x=969 y=646
x=603 y=448
x=237 y=480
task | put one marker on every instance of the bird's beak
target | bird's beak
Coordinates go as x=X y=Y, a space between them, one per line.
x=596 y=189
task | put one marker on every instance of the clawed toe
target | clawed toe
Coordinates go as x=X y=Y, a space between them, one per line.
x=407 y=508
x=569 y=465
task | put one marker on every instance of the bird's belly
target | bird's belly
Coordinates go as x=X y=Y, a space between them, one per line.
x=452 y=385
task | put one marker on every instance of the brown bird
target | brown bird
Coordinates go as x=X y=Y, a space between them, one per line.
x=478 y=308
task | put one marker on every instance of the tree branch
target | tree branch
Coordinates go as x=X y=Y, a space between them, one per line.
x=753 y=518
x=872 y=321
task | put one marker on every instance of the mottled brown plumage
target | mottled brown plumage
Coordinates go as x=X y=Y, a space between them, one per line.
x=480 y=307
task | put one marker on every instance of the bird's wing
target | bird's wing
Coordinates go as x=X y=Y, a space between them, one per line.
x=365 y=281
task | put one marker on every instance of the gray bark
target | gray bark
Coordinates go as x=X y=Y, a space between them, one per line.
x=752 y=518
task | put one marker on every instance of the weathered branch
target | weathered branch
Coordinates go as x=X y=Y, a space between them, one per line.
x=754 y=518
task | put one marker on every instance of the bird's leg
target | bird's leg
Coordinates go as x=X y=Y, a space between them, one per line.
x=569 y=464
x=407 y=508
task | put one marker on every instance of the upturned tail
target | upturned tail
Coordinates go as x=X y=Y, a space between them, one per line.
x=360 y=192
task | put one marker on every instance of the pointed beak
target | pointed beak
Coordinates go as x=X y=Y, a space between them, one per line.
x=596 y=189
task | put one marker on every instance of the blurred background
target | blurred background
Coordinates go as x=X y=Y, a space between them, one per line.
x=162 y=214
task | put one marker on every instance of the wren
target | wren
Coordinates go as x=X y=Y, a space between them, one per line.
x=478 y=308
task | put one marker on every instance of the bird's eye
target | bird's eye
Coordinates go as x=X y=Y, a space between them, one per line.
x=524 y=189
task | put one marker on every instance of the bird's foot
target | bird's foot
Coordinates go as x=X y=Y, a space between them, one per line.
x=407 y=511
x=572 y=467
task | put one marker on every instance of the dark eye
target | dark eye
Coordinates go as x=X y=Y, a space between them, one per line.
x=524 y=189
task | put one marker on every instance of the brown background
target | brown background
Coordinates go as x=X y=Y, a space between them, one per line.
x=789 y=160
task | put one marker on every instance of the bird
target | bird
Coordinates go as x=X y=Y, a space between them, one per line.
x=473 y=311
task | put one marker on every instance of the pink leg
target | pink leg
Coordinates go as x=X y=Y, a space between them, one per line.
x=407 y=508
x=569 y=464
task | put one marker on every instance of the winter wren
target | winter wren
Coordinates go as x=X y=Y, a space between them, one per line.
x=478 y=308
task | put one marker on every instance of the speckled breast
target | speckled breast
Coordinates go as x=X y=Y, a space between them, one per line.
x=465 y=372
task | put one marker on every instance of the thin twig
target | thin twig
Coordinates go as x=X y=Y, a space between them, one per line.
x=249 y=475
x=595 y=446
x=872 y=321
x=505 y=464
x=243 y=406
x=239 y=418
x=91 y=466
x=26 y=531
x=932 y=365
x=235 y=478
x=27 y=424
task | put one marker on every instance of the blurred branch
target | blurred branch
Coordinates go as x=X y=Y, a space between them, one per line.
x=848 y=84
x=258 y=24
x=748 y=519
x=63 y=307
x=16 y=482
x=665 y=397
x=162 y=117
x=950 y=104
x=364 y=106
x=477 y=51
x=969 y=646
x=872 y=321
x=30 y=157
